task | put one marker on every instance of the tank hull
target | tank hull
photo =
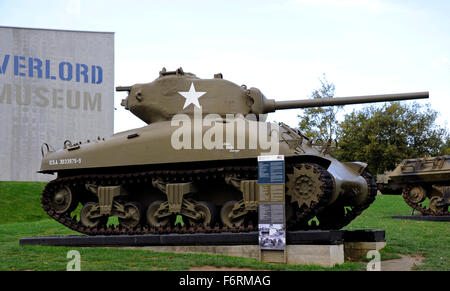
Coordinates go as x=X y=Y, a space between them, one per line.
x=140 y=168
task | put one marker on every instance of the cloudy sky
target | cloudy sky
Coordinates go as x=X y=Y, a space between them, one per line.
x=281 y=47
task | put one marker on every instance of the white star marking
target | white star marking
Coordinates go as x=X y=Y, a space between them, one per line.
x=192 y=96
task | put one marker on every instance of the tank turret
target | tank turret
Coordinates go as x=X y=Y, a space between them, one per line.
x=175 y=92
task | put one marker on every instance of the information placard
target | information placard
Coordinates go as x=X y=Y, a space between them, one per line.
x=271 y=169
x=271 y=220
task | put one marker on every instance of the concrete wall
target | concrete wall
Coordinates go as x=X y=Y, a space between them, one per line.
x=55 y=85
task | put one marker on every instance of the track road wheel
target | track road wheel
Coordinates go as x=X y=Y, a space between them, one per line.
x=416 y=194
x=225 y=215
x=435 y=205
x=132 y=215
x=90 y=215
x=152 y=210
x=63 y=201
x=207 y=212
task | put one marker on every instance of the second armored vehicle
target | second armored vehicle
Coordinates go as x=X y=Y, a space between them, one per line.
x=425 y=183
x=385 y=184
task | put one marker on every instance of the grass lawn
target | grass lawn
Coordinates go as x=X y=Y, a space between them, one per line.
x=23 y=195
x=428 y=238
x=21 y=216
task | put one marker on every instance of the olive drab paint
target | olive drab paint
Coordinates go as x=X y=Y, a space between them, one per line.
x=161 y=104
x=197 y=157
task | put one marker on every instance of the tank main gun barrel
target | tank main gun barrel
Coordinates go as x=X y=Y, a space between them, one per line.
x=124 y=88
x=271 y=105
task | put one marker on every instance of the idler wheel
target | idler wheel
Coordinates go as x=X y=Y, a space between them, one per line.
x=207 y=212
x=435 y=205
x=132 y=215
x=90 y=215
x=416 y=194
x=152 y=212
x=62 y=200
x=226 y=215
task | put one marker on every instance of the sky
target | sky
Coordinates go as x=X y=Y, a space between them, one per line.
x=281 y=47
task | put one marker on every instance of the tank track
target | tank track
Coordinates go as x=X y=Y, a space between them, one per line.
x=337 y=217
x=247 y=172
x=417 y=206
x=132 y=178
x=356 y=211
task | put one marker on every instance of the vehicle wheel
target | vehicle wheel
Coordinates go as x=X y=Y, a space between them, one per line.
x=152 y=210
x=63 y=201
x=90 y=215
x=133 y=215
x=207 y=211
x=225 y=214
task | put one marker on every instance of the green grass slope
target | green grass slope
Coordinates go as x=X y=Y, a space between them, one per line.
x=21 y=202
x=21 y=215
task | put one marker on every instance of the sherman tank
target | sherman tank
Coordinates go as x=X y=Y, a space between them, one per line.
x=425 y=183
x=193 y=167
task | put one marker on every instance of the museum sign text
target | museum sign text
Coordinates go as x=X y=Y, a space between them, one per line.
x=32 y=67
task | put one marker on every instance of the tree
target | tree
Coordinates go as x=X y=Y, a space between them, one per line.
x=383 y=136
x=445 y=148
x=320 y=122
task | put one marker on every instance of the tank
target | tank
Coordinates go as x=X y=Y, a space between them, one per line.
x=193 y=167
x=386 y=186
x=425 y=183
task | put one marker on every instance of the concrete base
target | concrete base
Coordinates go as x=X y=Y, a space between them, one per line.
x=357 y=243
x=246 y=251
x=273 y=256
x=321 y=255
x=355 y=251
x=322 y=247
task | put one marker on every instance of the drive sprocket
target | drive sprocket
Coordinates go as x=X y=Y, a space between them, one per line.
x=309 y=189
x=305 y=185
